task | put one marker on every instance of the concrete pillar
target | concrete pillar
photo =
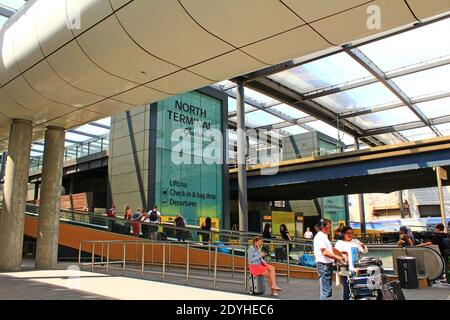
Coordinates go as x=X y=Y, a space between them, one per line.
x=12 y=218
x=362 y=216
x=241 y=151
x=52 y=171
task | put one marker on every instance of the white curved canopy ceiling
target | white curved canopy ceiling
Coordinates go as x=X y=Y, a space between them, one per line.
x=122 y=53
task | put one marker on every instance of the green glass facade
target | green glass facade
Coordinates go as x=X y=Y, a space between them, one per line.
x=189 y=170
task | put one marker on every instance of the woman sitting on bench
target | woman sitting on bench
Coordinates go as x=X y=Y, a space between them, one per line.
x=259 y=267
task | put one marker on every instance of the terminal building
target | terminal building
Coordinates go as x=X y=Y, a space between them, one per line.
x=236 y=116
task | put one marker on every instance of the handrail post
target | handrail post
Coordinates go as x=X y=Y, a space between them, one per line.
x=102 y=252
x=245 y=269
x=107 y=257
x=93 y=256
x=215 y=266
x=136 y=253
x=168 y=265
x=232 y=261
x=288 y=265
x=123 y=257
x=164 y=261
x=209 y=258
x=151 y=265
x=79 y=255
x=143 y=265
x=187 y=262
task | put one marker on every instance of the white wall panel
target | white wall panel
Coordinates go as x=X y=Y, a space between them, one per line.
x=112 y=49
x=164 y=29
x=353 y=24
x=242 y=22
x=83 y=14
x=318 y=9
x=179 y=82
x=52 y=27
x=50 y=85
x=26 y=44
x=75 y=67
x=140 y=95
x=109 y=107
x=227 y=66
x=295 y=43
x=8 y=63
x=425 y=9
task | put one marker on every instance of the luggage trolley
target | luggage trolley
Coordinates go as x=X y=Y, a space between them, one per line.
x=366 y=279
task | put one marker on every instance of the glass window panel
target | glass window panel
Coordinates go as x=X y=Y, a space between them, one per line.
x=232 y=106
x=293 y=130
x=363 y=97
x=331 y=131
x=13 y=4
x=104 y=121
x=290 y=111
x=257 y=96
x=384 y=118
x=335 y=69
x=261 y=118
x=435 y=108
x=418 y=134
x=425 y=82
x=410 y=47
x=75 y=137
x=444 y=129
x=388 y=138
x=92 y=130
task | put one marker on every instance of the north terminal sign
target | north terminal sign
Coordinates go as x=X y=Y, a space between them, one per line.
x=189 y=179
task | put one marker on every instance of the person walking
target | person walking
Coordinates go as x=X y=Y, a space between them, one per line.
x=259 y=267
x=325 y=255
x=345 y=246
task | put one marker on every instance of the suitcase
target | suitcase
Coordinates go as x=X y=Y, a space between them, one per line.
x=257 y=285
x=392 y=291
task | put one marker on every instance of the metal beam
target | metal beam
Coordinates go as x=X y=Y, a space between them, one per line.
x=99 y=125
x=406 y=126
x=362 y=111
x=6 y=11
x=365 y=62
x=91 y=135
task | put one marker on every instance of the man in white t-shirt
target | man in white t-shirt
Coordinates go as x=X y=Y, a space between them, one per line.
x=308 y=234
x=325 y=255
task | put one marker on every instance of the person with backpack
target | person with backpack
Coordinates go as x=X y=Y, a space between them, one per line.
x=438 y=239
x=154 y=217
x=179 y=223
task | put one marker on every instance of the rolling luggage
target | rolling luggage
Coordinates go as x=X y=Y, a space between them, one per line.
x=257 y=285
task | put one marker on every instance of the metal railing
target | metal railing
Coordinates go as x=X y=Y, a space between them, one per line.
x=289 y=252
x=75 y=151
x=140 y=261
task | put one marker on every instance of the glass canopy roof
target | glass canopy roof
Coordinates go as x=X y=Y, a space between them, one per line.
x=414 y=63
